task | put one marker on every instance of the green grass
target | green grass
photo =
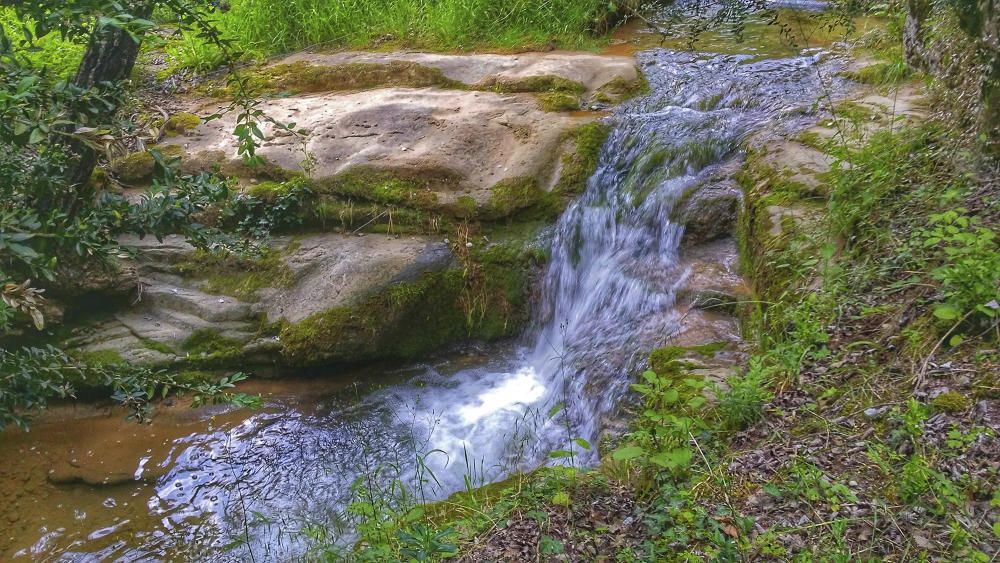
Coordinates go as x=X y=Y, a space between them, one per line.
x=51 y=52
x=262 y=28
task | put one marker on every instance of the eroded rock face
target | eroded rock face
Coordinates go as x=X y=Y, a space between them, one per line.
x=474 y=139
x=471 y=131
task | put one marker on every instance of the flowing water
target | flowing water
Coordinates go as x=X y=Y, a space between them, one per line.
x=204 y=484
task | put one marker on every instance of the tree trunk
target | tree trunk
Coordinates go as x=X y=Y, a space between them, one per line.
x=110 y=58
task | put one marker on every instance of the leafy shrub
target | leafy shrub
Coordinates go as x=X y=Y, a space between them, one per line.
x=969 y=271
x=260 y=212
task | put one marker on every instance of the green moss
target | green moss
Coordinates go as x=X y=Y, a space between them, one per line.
x=208 y=342
x=181 y=123
x=157 y=346
x=514 y=195
x=619 y=89
x=950 y=402
x=558 y=101
x=236 y=276
x=465 y=207
x=195 y=377
x=892 y=70
x=303 y=77
x=853 y=111
x=409 y=188
x=580 y=163
x=138 y=167
x=711 y=349
x=99 y=357
x=536 y=84
x=663 y=361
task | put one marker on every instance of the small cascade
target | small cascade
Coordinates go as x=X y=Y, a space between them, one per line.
x=608 y=299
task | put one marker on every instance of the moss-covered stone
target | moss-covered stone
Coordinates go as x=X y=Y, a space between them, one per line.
x=408 y=188
x=580 y=163
x=558 y=101
x=619 y=89
x=218 y=162
x=514 y=195
x=209 y=343
x=181 y=123
x=664 y=361
x=99 y=357
x=138 y=167
x=239 y=277
x=303 y=77
x=157 y=346
x=488 y=298
x=536 y=84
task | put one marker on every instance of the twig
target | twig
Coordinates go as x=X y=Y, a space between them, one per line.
x=923 y=368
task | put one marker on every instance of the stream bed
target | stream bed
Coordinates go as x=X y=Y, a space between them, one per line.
x=214 y=484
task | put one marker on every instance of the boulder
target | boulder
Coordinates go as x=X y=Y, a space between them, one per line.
x=709 y=212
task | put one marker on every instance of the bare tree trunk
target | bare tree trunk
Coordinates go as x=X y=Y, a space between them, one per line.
x=110 y=58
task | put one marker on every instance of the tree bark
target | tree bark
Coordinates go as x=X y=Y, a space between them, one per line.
x=110 y=58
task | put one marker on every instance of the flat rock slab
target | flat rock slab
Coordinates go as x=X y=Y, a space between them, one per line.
x=590 y=70
x=479 y=138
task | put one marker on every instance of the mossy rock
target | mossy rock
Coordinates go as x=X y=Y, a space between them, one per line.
x=664 y=361
x=305 y=78
x=238 y=277
x=138 y=167
x=516 y=194
x=581 y=161
x=207 y=341
x=99 y=357
x=218 y=162
x=619 y=89
x=181 y=123
x=487 y=299
x=558 y=101
x=409 y=188
x=532 y=84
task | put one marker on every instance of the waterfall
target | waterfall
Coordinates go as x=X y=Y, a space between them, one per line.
x=608 y=299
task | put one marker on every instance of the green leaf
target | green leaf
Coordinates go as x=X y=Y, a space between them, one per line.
x=37 y=136
x=696 y=402
x=673 y=459
x=559 y=454
x=670 y=396
x=956 y=340
x=947 y=312
x=627 y=453
x=556 y=409
x=582 y=443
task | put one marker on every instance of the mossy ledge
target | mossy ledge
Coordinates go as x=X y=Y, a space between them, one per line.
x=304 y=78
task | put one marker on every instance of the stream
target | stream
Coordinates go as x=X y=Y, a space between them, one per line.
x=213 y=484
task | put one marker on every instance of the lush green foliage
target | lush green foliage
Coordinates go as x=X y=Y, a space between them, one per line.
x=53 y=217
x=262 y=27
x=30 y=376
